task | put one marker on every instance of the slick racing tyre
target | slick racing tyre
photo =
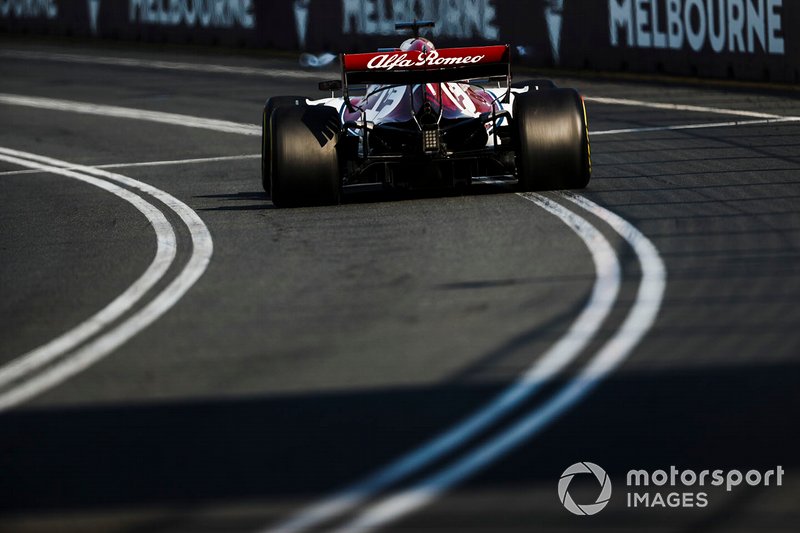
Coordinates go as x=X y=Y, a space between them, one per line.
x=269 y=107
x=305 y=163
x=535 y=85
x=553 y=140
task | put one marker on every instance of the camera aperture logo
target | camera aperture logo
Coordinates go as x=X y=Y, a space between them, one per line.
x=645 y=489
x=589 y=508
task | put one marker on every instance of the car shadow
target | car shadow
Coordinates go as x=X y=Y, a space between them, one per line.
x=245 y=196
x=264 y=201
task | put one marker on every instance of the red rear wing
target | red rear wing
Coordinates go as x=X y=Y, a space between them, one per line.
x=446 y=64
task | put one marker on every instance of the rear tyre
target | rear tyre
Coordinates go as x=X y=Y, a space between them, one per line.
x=553 y=150
x=270 y=106
x=305 y=163
x=535 y=85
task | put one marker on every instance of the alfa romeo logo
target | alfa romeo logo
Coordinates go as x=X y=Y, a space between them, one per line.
x=589 y=508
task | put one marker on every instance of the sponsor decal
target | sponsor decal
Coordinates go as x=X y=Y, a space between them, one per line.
x=670 y=488
x=193 y=13
x=434 y=59
x=462 y=19
x=430 y=59
x=29 y=9
x=739 y=26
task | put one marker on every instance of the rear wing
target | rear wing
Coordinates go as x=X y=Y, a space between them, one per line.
x=436 y=66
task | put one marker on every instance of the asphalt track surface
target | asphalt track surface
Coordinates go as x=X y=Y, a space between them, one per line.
x=285 y=355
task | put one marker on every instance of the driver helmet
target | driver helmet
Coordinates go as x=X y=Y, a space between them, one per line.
x=417 y=44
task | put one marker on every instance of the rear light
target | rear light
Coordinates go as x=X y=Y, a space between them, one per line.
x=430 y=138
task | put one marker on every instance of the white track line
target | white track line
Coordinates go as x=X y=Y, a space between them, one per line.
x=105 y=343
x=181 y=161
x=762 y=118
x=161 y=65
x=174 y=119
x=166 y=245
x=582 y=330
x=697 y=126
x=255 y=129
x=609 y=357
x=681 y=107
x=152 y=163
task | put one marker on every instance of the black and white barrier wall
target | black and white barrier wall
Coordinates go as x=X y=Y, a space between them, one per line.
x=729 y=39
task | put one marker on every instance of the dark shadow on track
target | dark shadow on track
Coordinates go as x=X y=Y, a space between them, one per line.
x=401 y=195
x=179 y=453
x=355 y=198
x=258 y=196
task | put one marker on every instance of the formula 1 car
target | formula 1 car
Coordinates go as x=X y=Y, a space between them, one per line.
x=417 y=117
